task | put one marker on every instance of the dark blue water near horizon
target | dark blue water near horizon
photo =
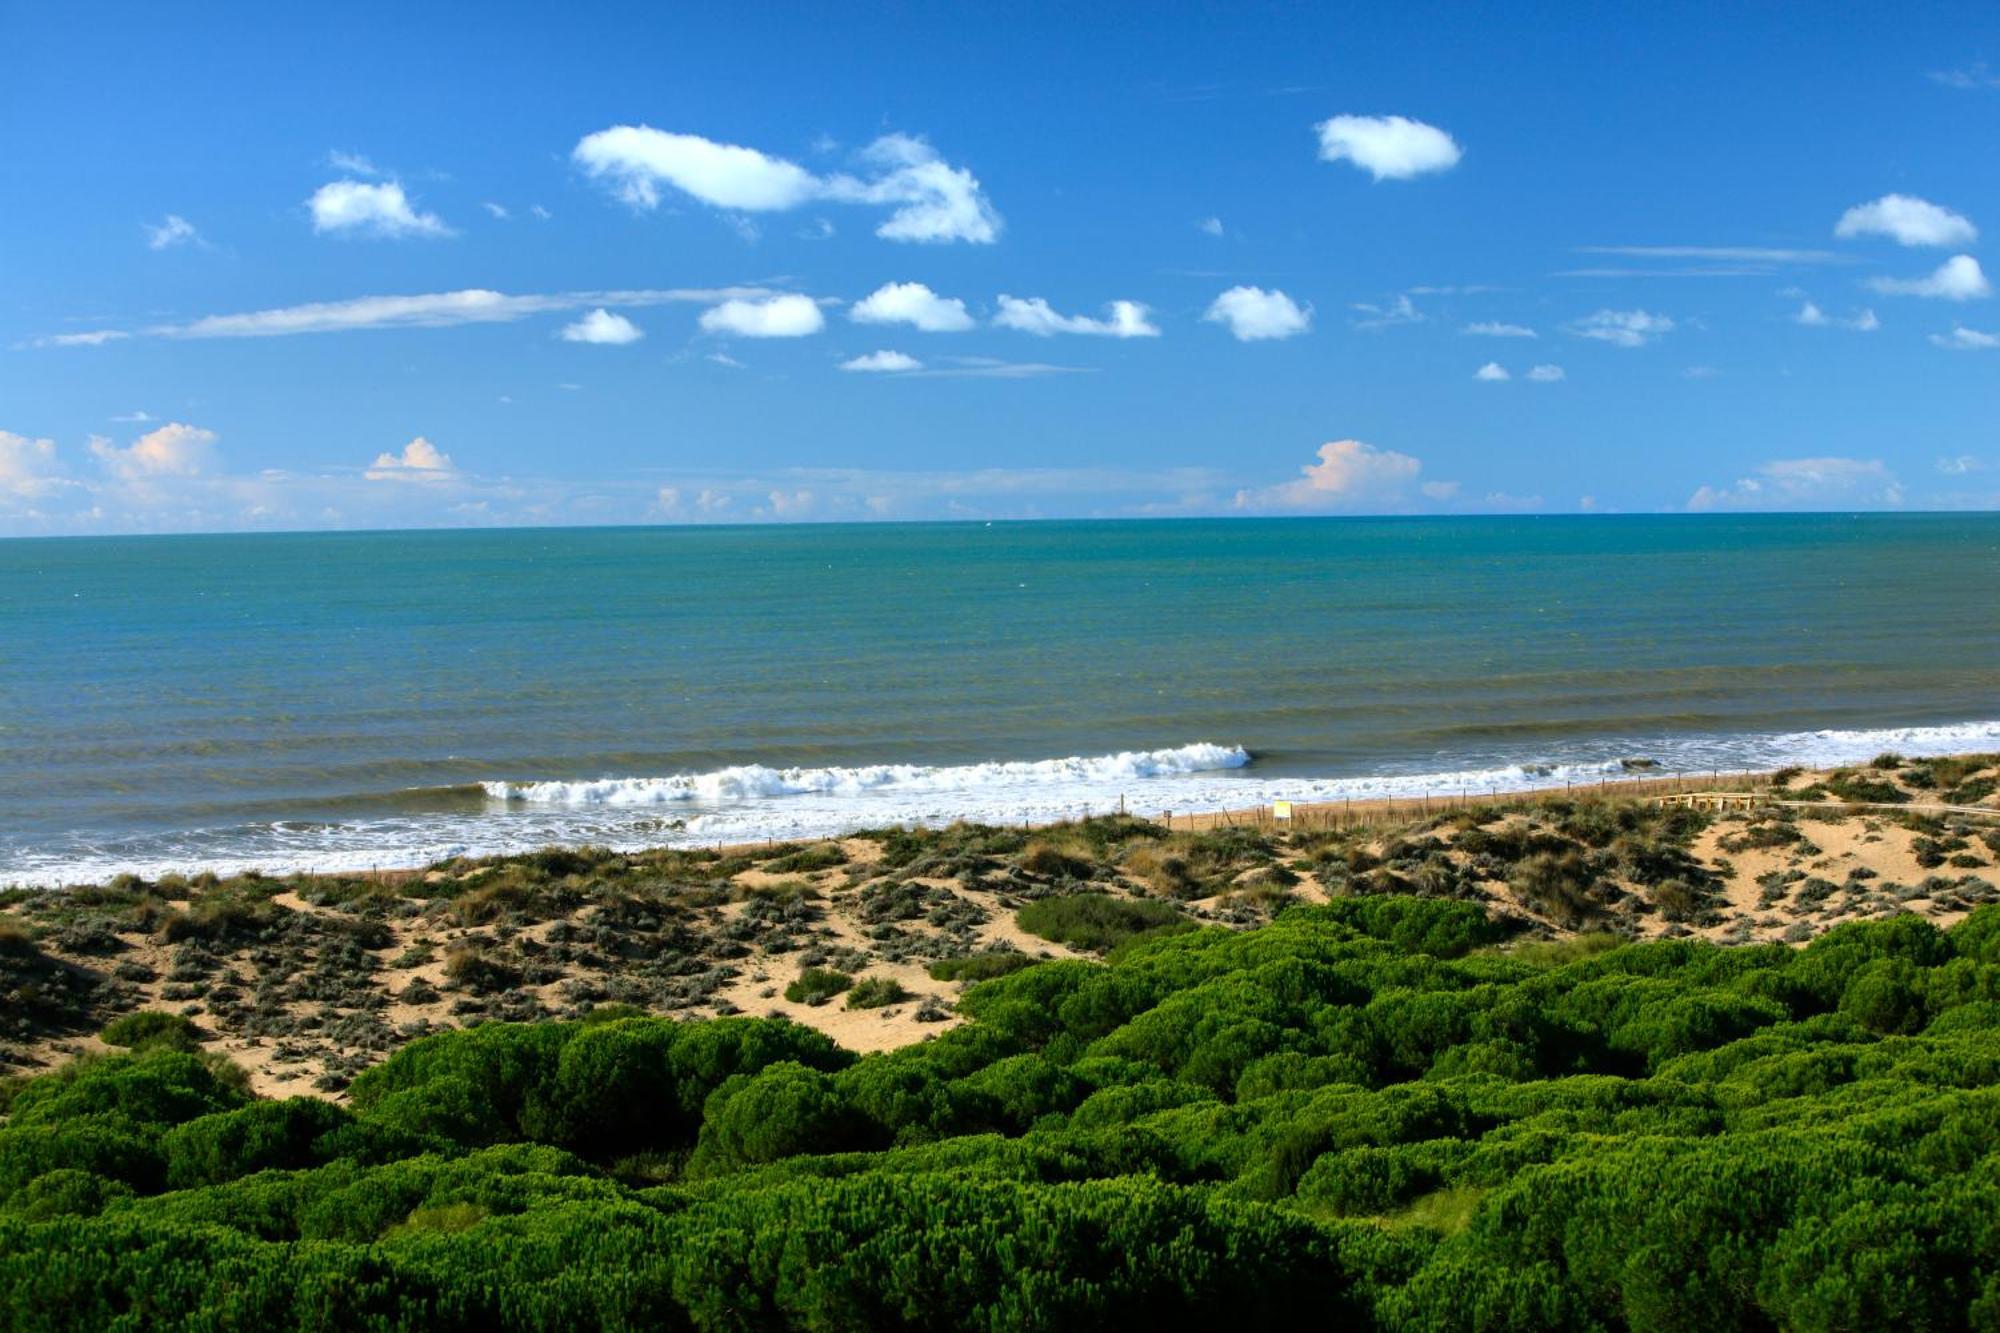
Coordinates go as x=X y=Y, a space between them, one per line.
x=378 y=698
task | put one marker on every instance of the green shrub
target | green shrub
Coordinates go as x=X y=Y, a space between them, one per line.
x=980 y=966
x=150 y=1029
x=817 y=985
x=1098 y=921
x=874 y=992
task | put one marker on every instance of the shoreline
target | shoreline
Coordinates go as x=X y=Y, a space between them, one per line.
x=1306 y=816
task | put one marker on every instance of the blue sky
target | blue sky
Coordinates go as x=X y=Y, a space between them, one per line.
x=1138 y=260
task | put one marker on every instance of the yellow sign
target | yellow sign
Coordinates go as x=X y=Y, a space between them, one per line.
x=1281 y=809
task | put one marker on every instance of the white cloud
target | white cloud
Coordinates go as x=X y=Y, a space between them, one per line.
x=725 y=359
x=174 y=230
x=1744 y=254
x=1546 y=374
x=1807 y=483
x=1253 y=314
x=1348 y=475
x=1387 y=147
x=992 y=368
x=358 y=208
x=930 y=199
x=1959 y=466
x=1962 y=339
x=354 y=164
x=174 y=450
x=602 y=327
x=883 y=362
x=499 y=211
x=1622 y=328
x=1495 y=329
x=27 y=467
x=1862 y=321
x=790 y=316
x=1492 y=372
x=914 y=304
x=1976 y=75
x=1907 y=220
x=123 y=417
x=429 y=310
x=94 y=338
x=1402 y=310
x=1213 y=226
x=1034 y=315
x=541 y=213
x=1957 y=279
x=419 y=460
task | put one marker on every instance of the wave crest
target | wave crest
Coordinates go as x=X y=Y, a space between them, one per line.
x=747 y=782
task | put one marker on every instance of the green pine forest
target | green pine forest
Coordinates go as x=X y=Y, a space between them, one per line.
x=1375 y=1113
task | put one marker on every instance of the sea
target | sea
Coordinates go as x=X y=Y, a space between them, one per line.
x=327 y=701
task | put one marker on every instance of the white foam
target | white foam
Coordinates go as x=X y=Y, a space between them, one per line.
x=753 y=803
x=754 y=781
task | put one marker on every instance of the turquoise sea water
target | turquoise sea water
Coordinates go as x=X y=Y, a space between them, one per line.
x=384 y=698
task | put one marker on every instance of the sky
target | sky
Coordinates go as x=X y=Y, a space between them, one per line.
x=387 y=265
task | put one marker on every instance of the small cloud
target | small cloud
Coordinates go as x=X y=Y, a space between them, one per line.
x=1957 y=279
x=1212 y=226
x=1741 y=254
x=1034 y=315
x=1492 y=373
x=1907 y=220
x=604 y=328
x=992 y=368
x=540 y=213
x=419 y=460
x=1350 y=474
x=1495 y=329
x=1402 y=310
x=499 y=211
x=356 y=208
x=94 y=338
x=930 y=200
x=914 y=304
x=1387 y=147
x=1966 y=77
x=1547 y=374
x=174 y=450
x=133 y=416
x=1812 y=317
x=354 y=164
x=1622 y=328
x=883 y=362
x=1962 y=339
x=175 y=230
x=1252 y=314
x=788 y=316
x=1806 y=483
x=1959 y=466
x=27 y=467
x=1700 y=373
x=725 y=359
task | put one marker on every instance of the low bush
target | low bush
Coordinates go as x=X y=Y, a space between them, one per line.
x=1098 y=921
x=817 y=985
x=875 y=992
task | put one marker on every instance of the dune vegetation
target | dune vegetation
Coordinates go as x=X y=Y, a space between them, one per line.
x=1377 y=1112
x=1551 y=1063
